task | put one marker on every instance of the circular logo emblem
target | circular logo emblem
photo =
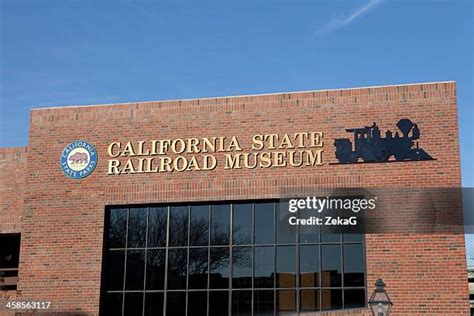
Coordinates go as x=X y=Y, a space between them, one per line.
x=78 y=159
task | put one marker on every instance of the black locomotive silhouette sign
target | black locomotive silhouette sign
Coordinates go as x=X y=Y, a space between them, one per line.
x=371 y=147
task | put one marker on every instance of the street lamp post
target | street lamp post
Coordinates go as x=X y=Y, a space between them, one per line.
x=379 y=302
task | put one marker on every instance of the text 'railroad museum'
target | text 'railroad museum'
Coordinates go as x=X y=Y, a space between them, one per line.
x=175 y=207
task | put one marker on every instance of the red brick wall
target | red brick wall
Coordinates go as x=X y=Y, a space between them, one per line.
x=63 y=218
x=12 y=188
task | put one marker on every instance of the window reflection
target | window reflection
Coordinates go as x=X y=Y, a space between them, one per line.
x=331 y=299
x=219 y=268
x=219 y=303
x=137 y=228
x=264 y=258
x=241 y=303
x=199 y=227
x=117 y=228
x=264 y=223
x=354 y=298
x=308 y=233
x=353 y=265
x=220 y=224
x=198 y=258
x=264 y=303
x=133 y=304
x=331 y=268
x=309 y=300
x=242 y=267
x=286 y=301
x=112 y=304
x=286 y=234
x=115 y=261
x=155 y=269
x=178 y=226
x=242 y=230
x=197 y=303
x=177 y=265
x=286 y=266
x=157 y=219
x=309 y=266
x=176 y=304
x=153 y=304
x=330 y=237
x=264 y=267
x=135 y=270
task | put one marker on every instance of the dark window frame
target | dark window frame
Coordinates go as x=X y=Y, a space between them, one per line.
x=231 y=247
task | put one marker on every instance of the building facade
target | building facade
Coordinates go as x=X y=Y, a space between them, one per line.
x=172 y=207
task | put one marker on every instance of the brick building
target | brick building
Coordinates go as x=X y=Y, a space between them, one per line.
x=169 y=210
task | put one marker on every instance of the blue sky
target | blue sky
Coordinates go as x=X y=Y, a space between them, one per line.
x=67 y=52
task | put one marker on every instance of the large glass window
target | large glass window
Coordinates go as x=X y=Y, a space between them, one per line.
x=226 y=259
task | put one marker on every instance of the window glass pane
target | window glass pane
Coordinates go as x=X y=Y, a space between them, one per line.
x=242 y=224
x=157 y=219
x=115 y=262
x=286 y=266
x=242 y=267
x=176 y=304
x=155 y=269
x=310 y=300
x=117 y=228
x=286 y=233
x=112 y=304
x=178 y=226
x=286 y=301
x=137 y=228
x=198 y=258
x=219 y=303
x=354 y=298
x=135 y=270
x=330 y=237
x=197 y=303
x=353 y=237
x=220 y=224
x=264 y=267
x=331 y=265
x=199 y=228
x=219 y=268
x=133 y=304
x=177 y=266
x=308 y=233
x=154 y=304
x=309 y=266
x=264 y=223
x=263 y=303
x=331 y=299
x=354 y=265
x=241 y=303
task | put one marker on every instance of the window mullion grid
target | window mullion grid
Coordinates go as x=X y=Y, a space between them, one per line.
x=253 y=246
x=320 y=272
x=146 y=254
x=275 y=277
x=165 y=287
x=342 y=270
x=231 y=236
x=209 y=210
x=297 y=269
x=252 y=249
x=125 y=262
x=365 y=268
x=187 y=258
